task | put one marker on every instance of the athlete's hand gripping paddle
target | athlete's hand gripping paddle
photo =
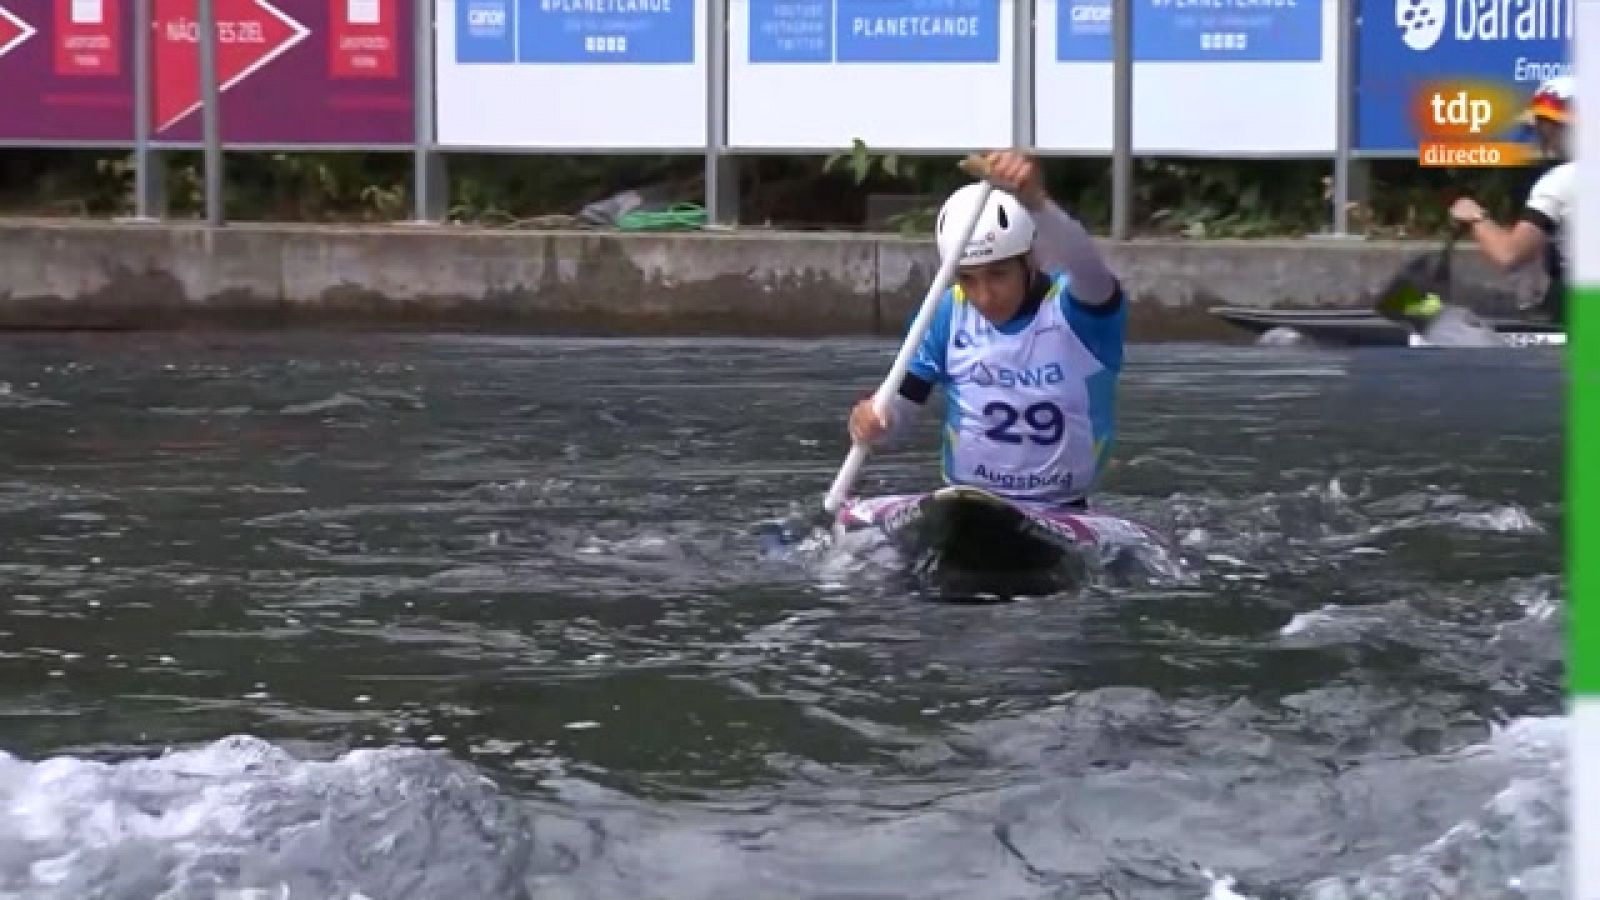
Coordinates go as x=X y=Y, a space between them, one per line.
x=845 y=480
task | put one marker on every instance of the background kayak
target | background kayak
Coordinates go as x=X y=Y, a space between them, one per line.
x=1364 y=328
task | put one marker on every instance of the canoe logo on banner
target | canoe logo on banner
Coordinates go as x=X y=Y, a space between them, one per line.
x=1421 y=22
x=1424 y=23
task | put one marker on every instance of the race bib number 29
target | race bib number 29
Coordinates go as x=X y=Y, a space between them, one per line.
x=1041 y=423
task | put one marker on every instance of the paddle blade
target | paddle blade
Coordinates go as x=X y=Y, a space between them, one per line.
x=1409 y=302
x=1416 y=293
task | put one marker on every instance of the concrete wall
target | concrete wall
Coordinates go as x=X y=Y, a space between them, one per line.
x=77 y=274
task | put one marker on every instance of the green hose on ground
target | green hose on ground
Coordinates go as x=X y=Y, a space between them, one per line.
x=678 y=217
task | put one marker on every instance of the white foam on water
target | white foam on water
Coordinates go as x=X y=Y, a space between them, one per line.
x=1513 y=850
x=1308 y=621
x=1222 y=889
x=242 y=815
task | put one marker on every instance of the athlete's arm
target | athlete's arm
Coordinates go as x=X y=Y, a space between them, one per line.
x=1062 y=243
x=906 y=403
x=1540 y=219
x=925 y=370
x=1103 y=329
x=1548 y=208
x=1511 y=247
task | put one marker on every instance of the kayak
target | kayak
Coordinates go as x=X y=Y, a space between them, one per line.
x=1364 y=328
x=971 y=538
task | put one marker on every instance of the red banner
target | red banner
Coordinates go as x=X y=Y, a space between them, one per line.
x=67 y=66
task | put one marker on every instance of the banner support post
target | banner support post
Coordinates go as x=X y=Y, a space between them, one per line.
x=430 y=182
x=721 y=168
x=210 y=113
x=1344 y=79
x=1022 y=108
x=1121 y=119
x=149 y=171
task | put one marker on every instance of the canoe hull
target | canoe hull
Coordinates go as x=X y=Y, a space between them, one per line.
x=971 y=536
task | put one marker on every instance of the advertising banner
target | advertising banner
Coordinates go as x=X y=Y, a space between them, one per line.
x=1403 y=44
x=1201 y=31
x=66 y=68
x=589 y=74
x=906 y=74
x=290 y=71
x=1211 y=77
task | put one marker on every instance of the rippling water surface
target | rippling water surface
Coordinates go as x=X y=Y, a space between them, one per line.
x=486 y=617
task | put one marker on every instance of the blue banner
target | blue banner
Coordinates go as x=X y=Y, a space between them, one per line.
x=605 y=31
x=791 y=31
x=1195 y=30
x=1402 y=43
x=485 y=31
x=918 y=31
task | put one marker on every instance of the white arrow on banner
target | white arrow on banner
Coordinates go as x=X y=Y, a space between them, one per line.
x=23 y=29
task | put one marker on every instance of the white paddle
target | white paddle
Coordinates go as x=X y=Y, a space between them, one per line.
x=842 y=483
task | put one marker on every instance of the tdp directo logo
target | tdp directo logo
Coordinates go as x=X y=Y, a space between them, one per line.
x=1468 y=123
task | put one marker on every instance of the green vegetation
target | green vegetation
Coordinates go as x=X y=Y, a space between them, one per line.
x=1194 y=198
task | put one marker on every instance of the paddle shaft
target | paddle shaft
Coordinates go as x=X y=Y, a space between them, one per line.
x=845 y=480
x=1447 y=252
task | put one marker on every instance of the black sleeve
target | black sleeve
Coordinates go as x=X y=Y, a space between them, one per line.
x=1539 y=220
x=914 y=388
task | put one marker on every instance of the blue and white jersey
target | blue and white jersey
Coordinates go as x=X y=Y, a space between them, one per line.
x=1030 y=410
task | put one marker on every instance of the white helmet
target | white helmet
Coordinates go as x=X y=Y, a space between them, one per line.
x=1553 y=100
x=1004 y=230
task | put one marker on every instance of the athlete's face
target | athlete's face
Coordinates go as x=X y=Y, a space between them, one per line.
x=1552 y=137
x=997 y=289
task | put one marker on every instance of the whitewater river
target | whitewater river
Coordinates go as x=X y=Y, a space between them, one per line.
x=463 y=617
